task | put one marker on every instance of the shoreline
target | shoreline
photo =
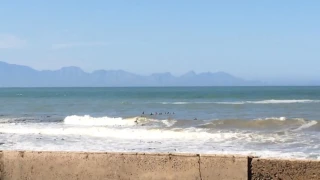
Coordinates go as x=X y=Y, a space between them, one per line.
x=123 y=165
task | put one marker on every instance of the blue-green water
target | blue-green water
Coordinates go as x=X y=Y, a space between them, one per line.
x=283 y=121
x=187 y=103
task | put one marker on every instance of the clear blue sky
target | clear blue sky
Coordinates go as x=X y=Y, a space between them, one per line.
x=252 y=39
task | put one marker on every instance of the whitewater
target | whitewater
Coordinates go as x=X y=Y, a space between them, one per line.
x=266 y=122
x=141 y=134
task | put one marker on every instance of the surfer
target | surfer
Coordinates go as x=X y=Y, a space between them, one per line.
x=151 y=114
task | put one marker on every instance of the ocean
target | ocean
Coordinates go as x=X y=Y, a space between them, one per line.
x=280 y=122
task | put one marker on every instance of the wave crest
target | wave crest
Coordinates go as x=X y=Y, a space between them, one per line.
x=269 y=101
x=272 y=101
x=272 y=124
x=97 y=121
x=111 y=121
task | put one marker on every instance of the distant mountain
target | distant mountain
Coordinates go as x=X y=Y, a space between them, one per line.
x=12 y=75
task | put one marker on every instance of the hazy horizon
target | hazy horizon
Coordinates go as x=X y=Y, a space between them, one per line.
x=13 y=74
x=106 y=69
x=272 y=41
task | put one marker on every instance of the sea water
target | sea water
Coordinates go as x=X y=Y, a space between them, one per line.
x=282 y=122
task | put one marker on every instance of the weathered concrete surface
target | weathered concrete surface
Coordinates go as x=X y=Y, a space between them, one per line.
x=224 y=167
x=69 y=166
x=285 y=169
x=76 y=165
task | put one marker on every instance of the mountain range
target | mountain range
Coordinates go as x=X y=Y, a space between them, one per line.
x=12 y=75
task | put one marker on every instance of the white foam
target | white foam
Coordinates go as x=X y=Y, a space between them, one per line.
x=125 y=133
x=177 y=103
x=98 y=121
x=271 y=101
x=307 y=125
x=58 y=136
x=276 y=118
x=5 y=120
x=232 y=103
x=169 y=123
x=182 y=103
x=139 y=133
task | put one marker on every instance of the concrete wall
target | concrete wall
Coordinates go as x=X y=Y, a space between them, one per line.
x=223 y=167
x=113 y=166
x=71 y=165
x=285 y=169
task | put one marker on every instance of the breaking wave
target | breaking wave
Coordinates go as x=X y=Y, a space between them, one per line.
x=271 y=124
x=306 y=125
x=112 y=121
x=270 y=101
x=98 y=121
x=128 y=133
x=261 y=124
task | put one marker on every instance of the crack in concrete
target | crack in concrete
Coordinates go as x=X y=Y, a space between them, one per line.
x=249 y=168
x=200 y=166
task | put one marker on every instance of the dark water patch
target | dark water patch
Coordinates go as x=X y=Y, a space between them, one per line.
x=38 y=119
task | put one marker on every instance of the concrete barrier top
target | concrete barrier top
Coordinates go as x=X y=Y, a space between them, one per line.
x=122 y=165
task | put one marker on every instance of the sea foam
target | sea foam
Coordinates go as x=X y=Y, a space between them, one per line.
x=98 y=121
x=273 y=101
x=269 y=101
x=306 y=125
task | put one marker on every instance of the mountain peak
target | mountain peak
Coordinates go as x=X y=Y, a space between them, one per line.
x=71 y=68
x=3 y=63
x=189 y=74
x=162 y=74
x=22 y=76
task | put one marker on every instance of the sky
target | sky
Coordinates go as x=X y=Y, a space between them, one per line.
x=257 y=40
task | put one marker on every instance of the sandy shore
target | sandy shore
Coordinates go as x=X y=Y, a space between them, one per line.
x=84 y=165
